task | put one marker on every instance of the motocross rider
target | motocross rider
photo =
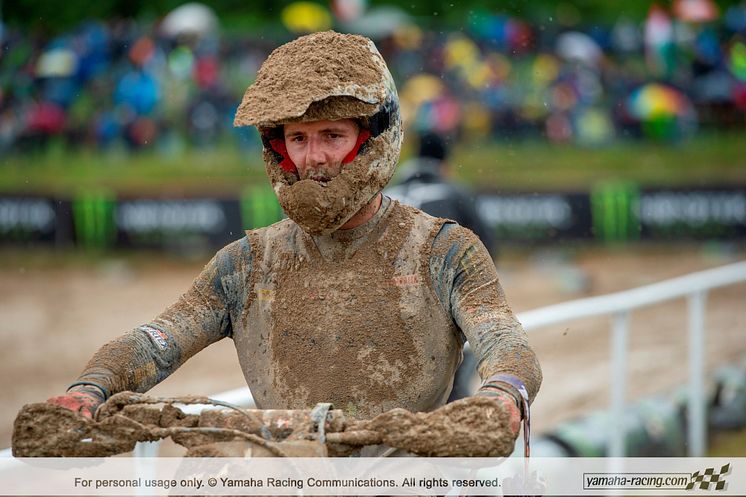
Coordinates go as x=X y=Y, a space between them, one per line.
x=354 y=299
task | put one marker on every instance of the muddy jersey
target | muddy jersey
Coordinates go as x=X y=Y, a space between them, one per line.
x=368 y=319
x=350 y=318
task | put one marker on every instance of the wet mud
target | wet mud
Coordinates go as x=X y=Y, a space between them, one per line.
x=308 y=70
x=474 y=426
x=318 y=206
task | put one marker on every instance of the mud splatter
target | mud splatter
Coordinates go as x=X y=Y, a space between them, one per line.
x=316 y=206
x=307 y=70
x=372 y=339
x=317 y=326
x=326 y=76
x=471 y=427
x=489 y=324
x=474 y=426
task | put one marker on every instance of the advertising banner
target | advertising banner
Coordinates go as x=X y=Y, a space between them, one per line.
x=197 y=224
x=26 y=220
x=693 y=214
x=536 y=216
x=610 y=212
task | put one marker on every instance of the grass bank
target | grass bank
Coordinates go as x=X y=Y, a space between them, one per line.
x=521 y=165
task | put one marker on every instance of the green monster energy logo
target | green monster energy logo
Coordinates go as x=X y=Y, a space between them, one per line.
x=93 y=214
x=259 y=207
x=615 y=211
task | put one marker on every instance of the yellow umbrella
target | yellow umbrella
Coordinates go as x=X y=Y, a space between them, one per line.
x=421 y=88
x=306 y=17
x=460 y=50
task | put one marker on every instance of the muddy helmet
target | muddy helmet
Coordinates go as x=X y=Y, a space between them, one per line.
x=326 y=76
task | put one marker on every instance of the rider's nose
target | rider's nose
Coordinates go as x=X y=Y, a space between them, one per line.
x=315 y=154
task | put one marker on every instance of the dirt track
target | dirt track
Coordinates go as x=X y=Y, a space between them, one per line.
x=53 y=316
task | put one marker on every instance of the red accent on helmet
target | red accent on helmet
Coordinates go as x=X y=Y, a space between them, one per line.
x=278 y=145
x=364 y=135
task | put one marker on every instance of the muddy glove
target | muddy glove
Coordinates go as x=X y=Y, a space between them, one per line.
x=510 y=392
x=83 y=398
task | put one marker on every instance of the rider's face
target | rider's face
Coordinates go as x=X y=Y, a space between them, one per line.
x=317 y=148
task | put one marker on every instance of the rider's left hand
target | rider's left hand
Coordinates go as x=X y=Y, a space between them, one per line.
x=509 y=404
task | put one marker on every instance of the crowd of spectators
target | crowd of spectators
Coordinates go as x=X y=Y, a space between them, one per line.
x=126 y=84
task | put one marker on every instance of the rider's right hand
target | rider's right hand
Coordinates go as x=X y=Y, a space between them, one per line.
x=81 y=399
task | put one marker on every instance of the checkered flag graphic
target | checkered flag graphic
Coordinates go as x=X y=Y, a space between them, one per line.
x=709 y=479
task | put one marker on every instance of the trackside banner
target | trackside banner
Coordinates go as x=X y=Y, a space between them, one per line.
x=613 y=212
x=174 y=224
x=373 y=476
x=35 y=220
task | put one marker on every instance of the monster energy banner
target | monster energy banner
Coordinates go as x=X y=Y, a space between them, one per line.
x=623 y=212
x=695 y=214
x=536 y=216
x=616 y=212
x=34 y=219
x=191 y=225
x=611 y=212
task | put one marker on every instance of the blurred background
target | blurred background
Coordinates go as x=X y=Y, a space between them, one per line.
x=602 y=146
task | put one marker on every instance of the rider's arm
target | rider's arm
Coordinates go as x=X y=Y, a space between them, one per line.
x=143 y=357
x=467 y=285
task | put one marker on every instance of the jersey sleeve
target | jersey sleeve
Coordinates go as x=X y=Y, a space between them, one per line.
x=146 y=355
x=467 y=284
